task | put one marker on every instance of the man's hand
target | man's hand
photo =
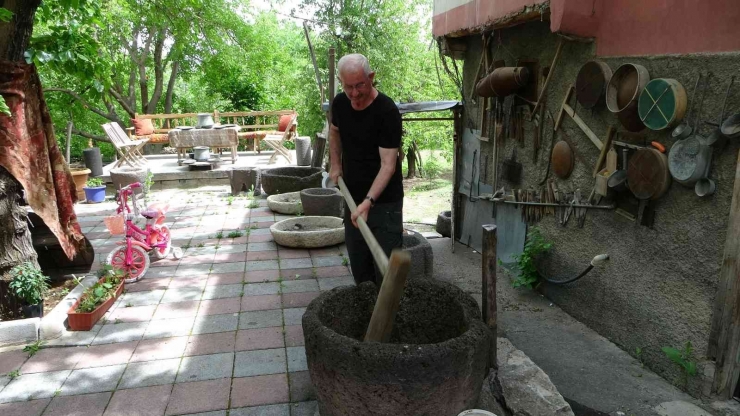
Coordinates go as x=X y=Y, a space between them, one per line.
x=362 y=211
x=334 y=173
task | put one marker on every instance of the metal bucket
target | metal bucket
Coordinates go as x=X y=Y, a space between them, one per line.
x=622 y=92
x=503 y=81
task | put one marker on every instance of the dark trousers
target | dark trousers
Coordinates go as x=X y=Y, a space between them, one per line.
x=386 y=223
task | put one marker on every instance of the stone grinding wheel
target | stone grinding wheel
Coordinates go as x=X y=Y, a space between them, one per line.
x=562 y=159
x=647 y=174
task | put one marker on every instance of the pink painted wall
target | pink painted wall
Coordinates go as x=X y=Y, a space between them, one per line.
x=621 y=27
x=476 y=13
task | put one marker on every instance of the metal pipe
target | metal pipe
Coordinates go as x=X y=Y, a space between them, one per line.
x=545 y=204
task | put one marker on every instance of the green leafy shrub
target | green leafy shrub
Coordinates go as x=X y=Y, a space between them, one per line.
x=28 y=283
x=527 y=272
x=235 y=234
x=684 y=358
x=98 y=293
x=94 y=182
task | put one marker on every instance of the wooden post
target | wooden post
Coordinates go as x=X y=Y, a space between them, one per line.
x=313 y=60
x=724 y=337
x=68 y=145
x=488 y=293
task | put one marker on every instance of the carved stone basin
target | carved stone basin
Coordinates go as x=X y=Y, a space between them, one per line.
x=288 y=203
x=308 y=232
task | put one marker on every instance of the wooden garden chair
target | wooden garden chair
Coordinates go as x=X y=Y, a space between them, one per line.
x=128 y=150
x=277 y=141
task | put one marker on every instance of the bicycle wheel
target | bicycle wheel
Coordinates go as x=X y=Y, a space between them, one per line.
x=139 y=262
x=163 y=252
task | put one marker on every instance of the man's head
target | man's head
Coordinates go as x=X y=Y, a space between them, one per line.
x=357 y=79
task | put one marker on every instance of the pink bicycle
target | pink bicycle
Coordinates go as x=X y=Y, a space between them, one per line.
x=132 y=254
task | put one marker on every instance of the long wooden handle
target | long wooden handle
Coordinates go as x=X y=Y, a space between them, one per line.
x=549 y=76
x=389 y=297
x=378 y=254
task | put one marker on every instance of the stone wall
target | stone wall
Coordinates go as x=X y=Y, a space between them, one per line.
x=659 y=285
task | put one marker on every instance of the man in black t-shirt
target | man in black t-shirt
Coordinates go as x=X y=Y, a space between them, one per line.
x=364 y=138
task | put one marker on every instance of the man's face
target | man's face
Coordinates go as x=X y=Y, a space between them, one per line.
x=357 y=85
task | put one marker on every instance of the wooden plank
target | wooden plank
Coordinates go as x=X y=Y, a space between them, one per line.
x=562 y=108
x=604 y=150
x=726 y=318
x=490 y=317
x=389 y=297
x=590 y=134
x=549 y=77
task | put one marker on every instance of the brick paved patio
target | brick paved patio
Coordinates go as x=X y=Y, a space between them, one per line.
x=217 y=331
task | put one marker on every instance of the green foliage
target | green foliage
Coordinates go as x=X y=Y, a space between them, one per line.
x=98 y=293
x=5 y=15
x=32 y=349
x=235 y=234
x=28 y=283
x=4 y=107
x=94 y=182
x=527 y=272
x=13 y=374
x=684 y=358
x=432 y=168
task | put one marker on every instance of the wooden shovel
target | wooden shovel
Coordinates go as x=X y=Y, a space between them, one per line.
x=394 y=272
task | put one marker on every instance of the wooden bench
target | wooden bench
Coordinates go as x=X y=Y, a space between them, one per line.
x=255 y=125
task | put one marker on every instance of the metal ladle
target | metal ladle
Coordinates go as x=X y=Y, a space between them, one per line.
x=716 y=138
x=684 y=129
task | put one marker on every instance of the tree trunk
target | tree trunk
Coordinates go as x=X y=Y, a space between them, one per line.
x=411 y=161
x=151 y=107
x=171 y=86
x=16 y=246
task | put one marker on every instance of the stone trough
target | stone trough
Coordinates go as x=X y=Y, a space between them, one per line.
x=422 y=256
x=290 y=179
x=435 y=363
x=288 y=203
x=308 y=232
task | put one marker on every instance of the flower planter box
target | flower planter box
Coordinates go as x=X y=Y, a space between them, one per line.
x=84 y=321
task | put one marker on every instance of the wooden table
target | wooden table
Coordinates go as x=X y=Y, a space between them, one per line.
x=214 y=138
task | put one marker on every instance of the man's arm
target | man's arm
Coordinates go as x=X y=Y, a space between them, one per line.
x=388 y=159
x=335 y=154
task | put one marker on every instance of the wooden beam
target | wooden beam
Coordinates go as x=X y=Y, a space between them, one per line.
x=725 y=332
x=490 y=317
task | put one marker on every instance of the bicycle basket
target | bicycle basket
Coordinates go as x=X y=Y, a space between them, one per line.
x=115 y=224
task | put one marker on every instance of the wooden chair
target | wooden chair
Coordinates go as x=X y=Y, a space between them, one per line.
x=128 y=150
x=277 y=141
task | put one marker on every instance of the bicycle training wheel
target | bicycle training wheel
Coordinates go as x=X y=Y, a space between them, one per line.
x=163 y=252
x=139 y=262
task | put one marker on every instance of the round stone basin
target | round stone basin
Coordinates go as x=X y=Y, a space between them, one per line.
x=308 y=232
x=322 y=202
x=289 y=203
x=435 y=363
x=290 y=179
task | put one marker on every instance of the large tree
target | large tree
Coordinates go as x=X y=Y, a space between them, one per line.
x=15 y=238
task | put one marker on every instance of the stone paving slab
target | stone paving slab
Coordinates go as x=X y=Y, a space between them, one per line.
x=150 y=373
x=217 y=331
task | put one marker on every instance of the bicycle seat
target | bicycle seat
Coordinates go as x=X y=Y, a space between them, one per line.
x=150 y=213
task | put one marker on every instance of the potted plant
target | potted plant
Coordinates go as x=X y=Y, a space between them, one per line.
x=29 y=284
x=80 y=177
x=95 y=190
x=96 y=300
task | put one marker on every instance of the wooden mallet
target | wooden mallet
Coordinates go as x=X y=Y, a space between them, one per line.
x=394 y=272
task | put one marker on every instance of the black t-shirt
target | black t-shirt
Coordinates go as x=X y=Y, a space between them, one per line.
x=362 y=133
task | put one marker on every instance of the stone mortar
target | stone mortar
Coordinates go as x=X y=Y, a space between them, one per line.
x=308 y=232
x=444 y=223
x=290 y=179
x=288 y=204
x=422 y=257
x=435 y=363
x=126 y=175
x=322 y=202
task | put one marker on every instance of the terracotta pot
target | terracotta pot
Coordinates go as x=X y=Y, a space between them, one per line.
x=80 y=177
x=84 y=321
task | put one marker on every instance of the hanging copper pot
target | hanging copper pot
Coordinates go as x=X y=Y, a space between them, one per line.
x=503 y=81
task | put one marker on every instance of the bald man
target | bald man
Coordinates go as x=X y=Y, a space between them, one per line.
x=364 y=138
